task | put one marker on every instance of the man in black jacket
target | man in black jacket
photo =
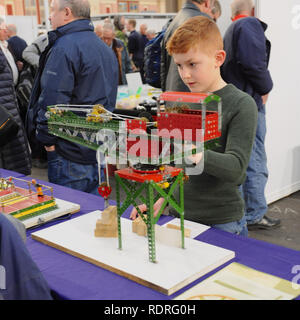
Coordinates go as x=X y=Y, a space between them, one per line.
x=169 y=76
x=136 y=47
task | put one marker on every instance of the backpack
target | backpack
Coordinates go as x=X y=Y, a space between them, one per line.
x=24 y=87
x=152 y=55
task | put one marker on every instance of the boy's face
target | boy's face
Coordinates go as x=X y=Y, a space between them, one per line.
x=198 y=70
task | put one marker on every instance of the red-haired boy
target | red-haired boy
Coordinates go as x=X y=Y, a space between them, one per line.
x=213 y=198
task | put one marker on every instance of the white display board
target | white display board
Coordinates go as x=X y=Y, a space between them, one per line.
x=26 y=26
x=224 y=21
x=175 y=267
x=283 y=107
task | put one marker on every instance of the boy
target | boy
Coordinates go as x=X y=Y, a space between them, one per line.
x=213 y=198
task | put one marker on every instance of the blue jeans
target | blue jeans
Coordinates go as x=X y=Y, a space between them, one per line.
x=236 y=227
x=257 y=174
x=71 y=174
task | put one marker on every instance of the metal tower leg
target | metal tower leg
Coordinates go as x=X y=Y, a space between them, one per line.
x=118 y=210
x=150 y=223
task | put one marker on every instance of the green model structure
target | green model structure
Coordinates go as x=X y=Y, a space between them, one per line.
x=146 y=144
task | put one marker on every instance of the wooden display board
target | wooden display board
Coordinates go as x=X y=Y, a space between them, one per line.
x=175 y=267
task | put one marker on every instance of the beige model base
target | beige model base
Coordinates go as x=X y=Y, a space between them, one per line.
x=175 y=267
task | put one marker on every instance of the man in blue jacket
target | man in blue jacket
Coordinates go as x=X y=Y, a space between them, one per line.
x=246 y=66
x=75 y=68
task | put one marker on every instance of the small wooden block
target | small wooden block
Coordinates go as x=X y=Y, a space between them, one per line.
x=142 y=229
x=187 y=232
x=109 y=222
x=107 y=227
x=106 y=234
x=139 y=226
x=134 y=225
x=167 y=236
x=109 y=214
x=106 y=231
x=100 y=226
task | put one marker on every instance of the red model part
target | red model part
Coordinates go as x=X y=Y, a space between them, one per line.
x=183 y=97
x=143 y=146
x=29 y=200
x=130 y=174
x=104 y=191
x=184 y=125
x=136 y=126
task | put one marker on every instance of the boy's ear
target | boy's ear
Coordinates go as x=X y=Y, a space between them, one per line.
x=220 y=58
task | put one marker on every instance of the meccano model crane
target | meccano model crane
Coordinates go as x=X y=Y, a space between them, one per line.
x=150 y=143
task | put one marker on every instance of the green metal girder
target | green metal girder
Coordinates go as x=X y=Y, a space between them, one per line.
x=134 y=191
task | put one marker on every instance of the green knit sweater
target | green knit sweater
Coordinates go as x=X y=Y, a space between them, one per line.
x=213 y=197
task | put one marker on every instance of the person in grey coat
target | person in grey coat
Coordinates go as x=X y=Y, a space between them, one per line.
x=15 y=154
x=169 y=76
x=32 y=53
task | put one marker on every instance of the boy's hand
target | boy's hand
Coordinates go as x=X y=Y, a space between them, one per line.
x=265 y=98
x=143 y=208
x=157 y=206
x=195 y=158
x=134 y=213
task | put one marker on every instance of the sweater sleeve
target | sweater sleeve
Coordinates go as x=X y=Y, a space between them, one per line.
x=231 y=165
x=251 y=54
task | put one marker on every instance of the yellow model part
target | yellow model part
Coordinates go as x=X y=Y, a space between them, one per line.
x=34 y=210
x=164 y=185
